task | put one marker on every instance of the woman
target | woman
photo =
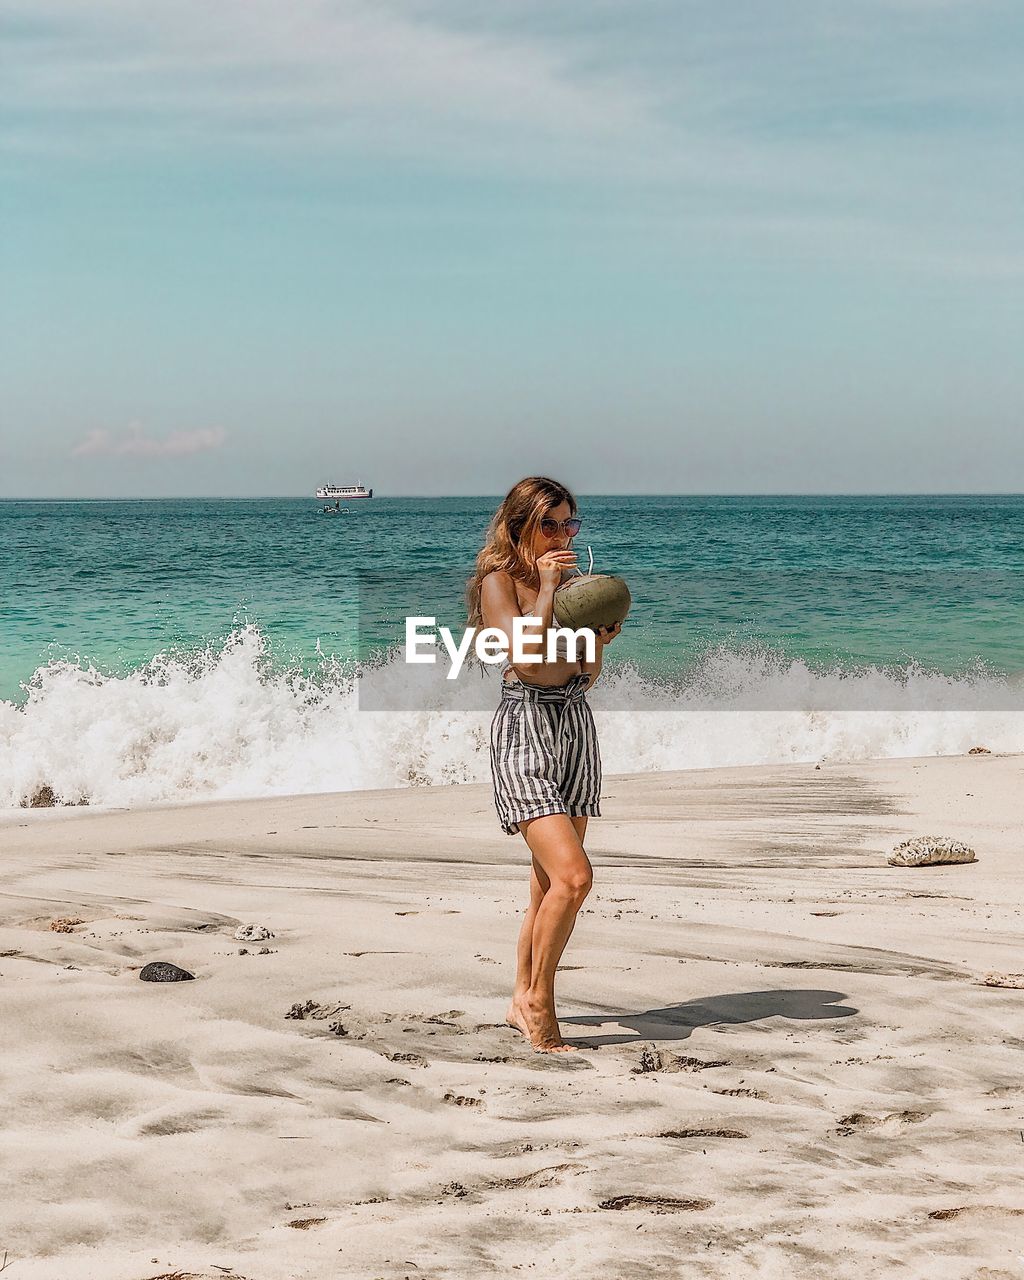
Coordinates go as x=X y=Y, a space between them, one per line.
x=545 y=759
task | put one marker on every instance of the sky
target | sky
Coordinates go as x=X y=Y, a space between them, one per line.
x=644 y=247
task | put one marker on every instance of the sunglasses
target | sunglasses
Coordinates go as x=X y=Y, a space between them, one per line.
x=550 y=527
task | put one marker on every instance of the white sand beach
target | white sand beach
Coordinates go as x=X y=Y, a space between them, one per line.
x=789 y=1065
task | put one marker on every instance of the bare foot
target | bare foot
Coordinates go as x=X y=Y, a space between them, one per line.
x=515 y=1017
x=542 y=1028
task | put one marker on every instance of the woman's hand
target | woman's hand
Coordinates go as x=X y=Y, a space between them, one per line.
x=605 y=635
x=552 y=564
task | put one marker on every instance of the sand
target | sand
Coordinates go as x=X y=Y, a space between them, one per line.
x=791 y=1063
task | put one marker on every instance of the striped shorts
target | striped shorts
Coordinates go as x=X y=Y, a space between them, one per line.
x=544 y=753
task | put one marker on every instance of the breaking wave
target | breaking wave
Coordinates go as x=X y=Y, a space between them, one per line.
x=224 y=723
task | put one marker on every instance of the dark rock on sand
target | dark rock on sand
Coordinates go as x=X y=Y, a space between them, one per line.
x=162 y=971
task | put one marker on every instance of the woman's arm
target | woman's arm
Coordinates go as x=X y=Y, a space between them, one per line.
x=498 y=603
x=499 y=607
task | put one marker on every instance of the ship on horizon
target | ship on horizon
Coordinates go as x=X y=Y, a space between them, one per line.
x=335 y=492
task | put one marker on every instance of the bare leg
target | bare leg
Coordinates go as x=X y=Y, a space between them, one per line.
x=557 y=847
x=539 y=885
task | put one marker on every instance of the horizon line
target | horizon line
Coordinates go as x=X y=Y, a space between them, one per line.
x=298 y=497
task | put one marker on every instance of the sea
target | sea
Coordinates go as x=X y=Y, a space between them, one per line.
x=164 y=651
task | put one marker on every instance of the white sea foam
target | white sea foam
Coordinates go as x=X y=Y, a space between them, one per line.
x=223 y=723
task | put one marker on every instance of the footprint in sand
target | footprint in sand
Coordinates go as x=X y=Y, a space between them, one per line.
x=443 y=1020
x=656 y=1204
x=522 y=1148
x=538 y=1178
x=859 y=1121
x=654 y=1060
x=976 y=1210
x=701 y=1133
x=430 y=1024
x=413 y=1058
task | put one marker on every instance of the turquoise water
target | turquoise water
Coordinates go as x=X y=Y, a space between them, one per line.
x=172 y=649
x=879 y=581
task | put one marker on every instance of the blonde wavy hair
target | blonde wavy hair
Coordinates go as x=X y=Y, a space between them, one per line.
x=509 y=544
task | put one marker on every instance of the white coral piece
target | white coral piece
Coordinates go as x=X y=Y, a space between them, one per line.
x=1015 y=980
x=252 y=933
x=927 y=851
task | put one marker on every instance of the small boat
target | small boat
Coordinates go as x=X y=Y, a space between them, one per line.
x=339 y=491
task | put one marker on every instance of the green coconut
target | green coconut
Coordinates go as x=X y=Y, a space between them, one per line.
x=592 y=600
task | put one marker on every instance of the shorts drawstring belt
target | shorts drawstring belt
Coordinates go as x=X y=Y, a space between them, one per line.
x=573 y=691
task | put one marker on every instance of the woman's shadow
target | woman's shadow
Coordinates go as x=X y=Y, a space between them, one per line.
x=677 y=1021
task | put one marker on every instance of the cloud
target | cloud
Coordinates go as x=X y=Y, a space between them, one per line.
x=798 y=101
x=135 y=443
x=319 y=69
x=801 y=109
